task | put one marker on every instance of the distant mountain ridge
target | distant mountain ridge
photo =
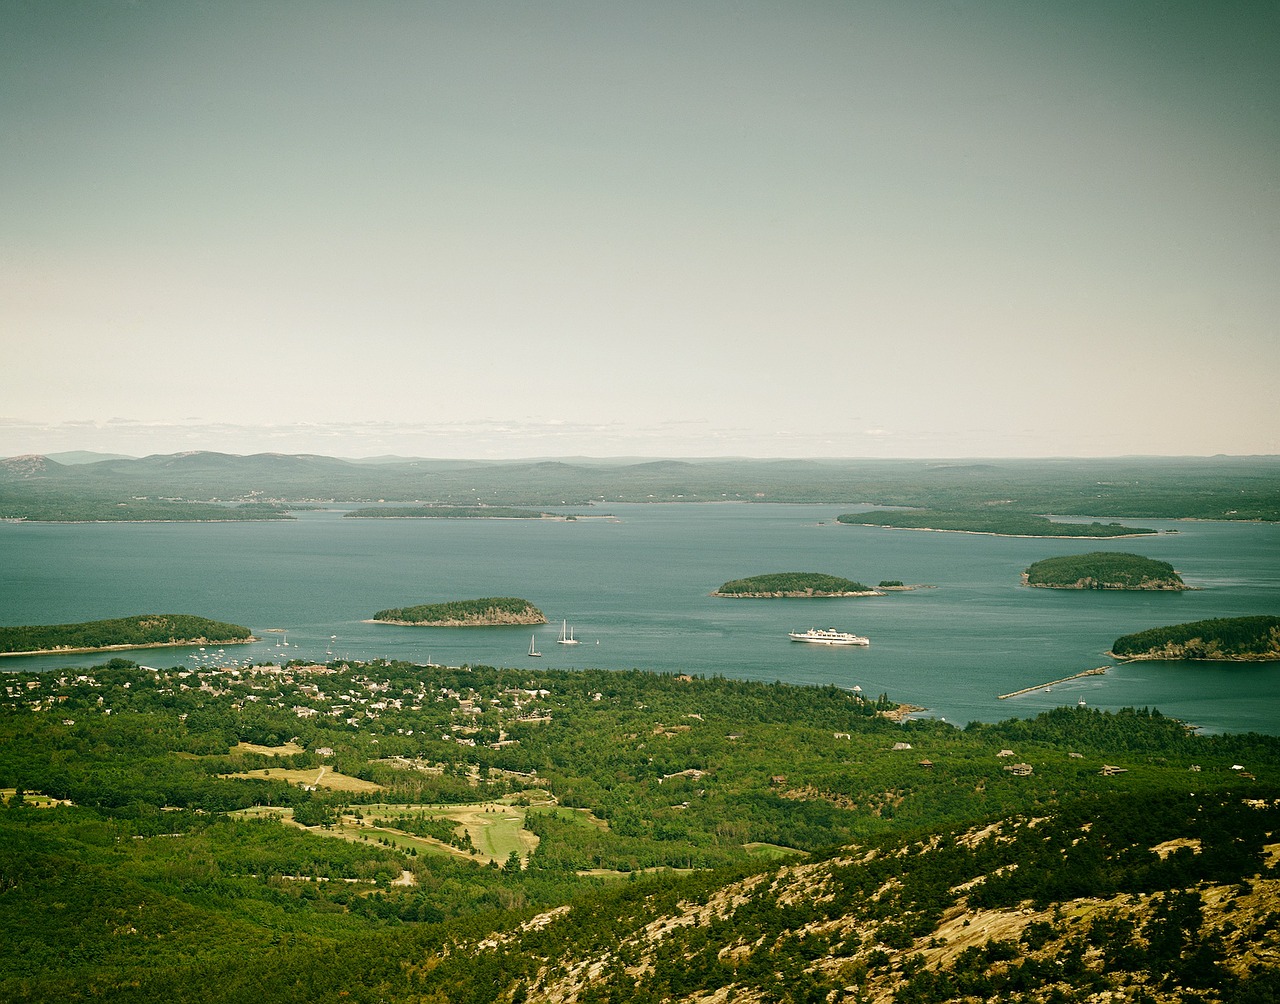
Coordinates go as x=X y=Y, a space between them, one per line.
x=1153 y=487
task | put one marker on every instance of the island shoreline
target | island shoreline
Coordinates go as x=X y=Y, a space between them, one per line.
x=62 y=650
x=1028 y=536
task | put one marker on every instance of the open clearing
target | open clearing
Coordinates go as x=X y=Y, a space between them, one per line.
x=311 y=777
x=496 y=828
x=288 y=749
x=33 y=798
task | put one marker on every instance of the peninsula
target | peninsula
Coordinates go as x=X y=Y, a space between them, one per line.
x=794 y=585
x=489 y=611
x=1000 y=522
x=448 y=512
x=1103 y=570
x=1224 y=639
x=142 y=631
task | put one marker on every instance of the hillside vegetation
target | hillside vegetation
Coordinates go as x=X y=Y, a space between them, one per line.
x=198 y=836
x=794 y=584
x=486 y=611
x=1104 y=570
x=1239 y=639
x=122 y=632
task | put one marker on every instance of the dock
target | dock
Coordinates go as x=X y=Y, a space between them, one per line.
x=1053 y=683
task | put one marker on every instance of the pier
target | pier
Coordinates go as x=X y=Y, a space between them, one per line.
x=1053 y=683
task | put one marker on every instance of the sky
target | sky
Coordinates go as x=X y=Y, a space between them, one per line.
x=661 y=228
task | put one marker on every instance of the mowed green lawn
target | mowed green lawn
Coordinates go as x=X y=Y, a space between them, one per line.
x=496 y=828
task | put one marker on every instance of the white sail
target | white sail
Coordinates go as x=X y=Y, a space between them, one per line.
x=566 y=634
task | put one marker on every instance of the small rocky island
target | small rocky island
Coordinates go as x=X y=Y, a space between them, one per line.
x=1222 y=639
x=1103 y=570
x=141 y=631
x=489 y=611
x=794 y=585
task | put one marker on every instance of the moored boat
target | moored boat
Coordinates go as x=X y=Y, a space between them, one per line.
x=566 y=634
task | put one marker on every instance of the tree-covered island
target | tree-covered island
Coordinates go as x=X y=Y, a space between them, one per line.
x=448 y=512
x=488 y=611
x=142 y=631
x=1103 y=570
x=1000 y=522
x=794 y=585
x=1224 y=639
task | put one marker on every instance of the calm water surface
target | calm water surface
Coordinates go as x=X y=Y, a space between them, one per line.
x=636 y=588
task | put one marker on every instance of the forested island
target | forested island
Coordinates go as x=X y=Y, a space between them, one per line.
x=1223 y=639
x=1001 y=522
x=142 y=631
x=794 y=585
x=1103 y=570
x=447 y=512
x=64 y=509
x=488 y=611
x=385 y=832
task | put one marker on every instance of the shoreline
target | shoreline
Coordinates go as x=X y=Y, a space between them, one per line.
x=1166 y=657
x=455 y=623
x=1109 y=587
x=806 y=595
x=1027 y=536
x=64 y=650
x=901 y=712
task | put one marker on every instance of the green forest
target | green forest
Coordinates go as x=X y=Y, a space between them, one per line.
x=998 y=521
x=484 y=611
x=291 y=833
x=792 y=584
x=1230 y=638
x=143 y=629
x=1103 y=570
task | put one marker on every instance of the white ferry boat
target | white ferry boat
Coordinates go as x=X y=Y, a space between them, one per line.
x=828 y=636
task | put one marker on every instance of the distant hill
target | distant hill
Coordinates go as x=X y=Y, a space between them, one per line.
x=73 y=457
x=995 y=496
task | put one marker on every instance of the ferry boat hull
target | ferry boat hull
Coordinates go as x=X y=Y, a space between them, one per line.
x=827 y=636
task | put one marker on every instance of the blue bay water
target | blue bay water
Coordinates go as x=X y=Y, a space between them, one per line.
x=636 y=589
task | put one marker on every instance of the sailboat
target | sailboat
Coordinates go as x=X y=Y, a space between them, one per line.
x=566 y=634
x=533 y=647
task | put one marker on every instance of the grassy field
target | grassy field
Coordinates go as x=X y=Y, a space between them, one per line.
x=496 y=828
x=315 y=777
x=288 y=749
x=33 y=798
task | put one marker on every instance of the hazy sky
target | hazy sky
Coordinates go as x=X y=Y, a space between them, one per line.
x=488 y=229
